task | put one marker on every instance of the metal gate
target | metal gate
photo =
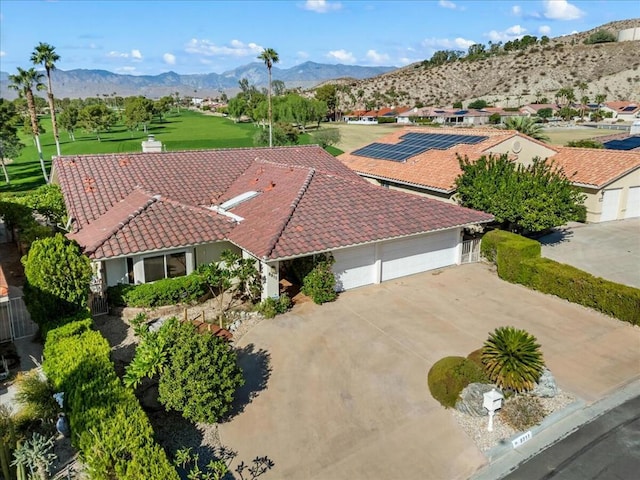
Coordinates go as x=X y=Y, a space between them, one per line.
x=471 y=251
x=98 y=304
x=15 y=321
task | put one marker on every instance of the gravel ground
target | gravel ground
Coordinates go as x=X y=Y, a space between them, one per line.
x=476 y=427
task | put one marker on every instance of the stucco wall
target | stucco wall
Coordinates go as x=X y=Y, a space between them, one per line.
x=594 y=197
x=524 y=149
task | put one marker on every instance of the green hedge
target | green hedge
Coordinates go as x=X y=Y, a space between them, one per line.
x=448 y=377
x=108 y=425
x=169 y=291
x=518 y=261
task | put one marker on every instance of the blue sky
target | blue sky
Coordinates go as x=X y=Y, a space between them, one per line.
x=151 y=37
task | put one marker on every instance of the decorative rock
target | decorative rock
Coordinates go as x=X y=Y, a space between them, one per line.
x=546 y=386
x=62 y=425
x=471 y=398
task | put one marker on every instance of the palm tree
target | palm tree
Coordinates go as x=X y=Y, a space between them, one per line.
x=512 y=359
x=45 y=54
x=526 y=126
x=23 y=82
x=269 y=56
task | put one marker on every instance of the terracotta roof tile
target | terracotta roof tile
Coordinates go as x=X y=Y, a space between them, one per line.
x=307 y=202
x=595 y=166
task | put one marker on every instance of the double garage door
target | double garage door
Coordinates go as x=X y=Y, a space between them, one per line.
x=611 y=204
x=367 y=264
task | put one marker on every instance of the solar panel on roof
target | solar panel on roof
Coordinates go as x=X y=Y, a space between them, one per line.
x=628 y=143
x=630 y=108
x=414 y=143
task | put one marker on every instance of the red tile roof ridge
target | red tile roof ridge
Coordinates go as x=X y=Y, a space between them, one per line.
x=292 y=208
x=92 y=244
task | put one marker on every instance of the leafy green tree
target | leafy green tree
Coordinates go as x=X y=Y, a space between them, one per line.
x=269 y=56
x=237 y=107
x=495 y=118
x=601 y=36
x=545 y=113
x=478 y=104
x=24 y=82
x=48 y=201
x=96 y=118
x=45 y=55
x=527 y=126
x=600 y=98
x=279 y=87
x=457 y=104
x=68 y=119
x=327 y=137
x=162 y=106
x=522 y=199
x=138 y=110
x=283 y=134
x=198 y=372
x=10 y=145
x=512 y=359
x=585 y=143
x=57 y=279
x=328 y=94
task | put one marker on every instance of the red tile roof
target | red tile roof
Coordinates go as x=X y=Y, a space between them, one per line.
x=307 y=202
x=596 y=167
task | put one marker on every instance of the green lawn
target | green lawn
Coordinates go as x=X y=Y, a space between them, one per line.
x=184 y=131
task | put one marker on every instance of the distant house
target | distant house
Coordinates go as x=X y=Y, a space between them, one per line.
x=367 y=117
x=532 y=109
x=147 y=216
x=424 y=161
x=452 y=116
x=625 y=111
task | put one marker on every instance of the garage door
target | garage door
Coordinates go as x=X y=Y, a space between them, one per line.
x=354 y=267
x=633 y=203
x=419 y=254
x=610 y=205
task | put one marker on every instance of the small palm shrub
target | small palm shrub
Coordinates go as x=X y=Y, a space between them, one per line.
x=35 y=394
x=522 y=412
x=448 y=377
x=512 y=359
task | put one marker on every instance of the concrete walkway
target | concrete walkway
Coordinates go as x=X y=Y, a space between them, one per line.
x=347 y=395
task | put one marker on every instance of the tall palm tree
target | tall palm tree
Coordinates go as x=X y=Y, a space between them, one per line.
x=269 y=56
x=45 y=54
x=24 y=81
x=526 y=126
x=512 y=359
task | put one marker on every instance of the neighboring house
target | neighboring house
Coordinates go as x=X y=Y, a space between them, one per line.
x=611 y=180
x=146 y=216
x=532 y=109
x=625 y=111
x=367 y=117
x=452 y=116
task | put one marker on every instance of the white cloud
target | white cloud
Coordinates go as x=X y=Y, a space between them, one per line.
x=136 y=54
x=561 y=10
x=169 y=58
x=114 y=54
x=321 y=6
x=447 y=4
x=510 y=33
x=236 y=48
x=458 y=43
x=2 y=53
x=516 y=10
x=377 y=58
x=544 y=29
x=342 y=56
x=302 y=55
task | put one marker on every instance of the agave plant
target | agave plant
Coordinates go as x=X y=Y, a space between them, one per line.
x=512 y=359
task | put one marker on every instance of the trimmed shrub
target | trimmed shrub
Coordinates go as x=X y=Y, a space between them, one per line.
x=448 y=377
x=320 y=283
x=270 y=307
x=522 y=412
x=518 y=261
x=107 y=423
x=476 y=357
x=168 y=291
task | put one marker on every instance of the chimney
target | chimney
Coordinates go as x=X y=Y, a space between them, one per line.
x=151 y=145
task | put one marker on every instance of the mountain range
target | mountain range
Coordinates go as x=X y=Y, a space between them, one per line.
x=81 y=83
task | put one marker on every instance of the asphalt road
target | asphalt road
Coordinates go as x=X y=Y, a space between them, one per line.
x=608 y=448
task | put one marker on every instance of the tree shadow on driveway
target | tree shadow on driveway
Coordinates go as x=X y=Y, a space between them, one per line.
x=256 y=367
x=556 y=237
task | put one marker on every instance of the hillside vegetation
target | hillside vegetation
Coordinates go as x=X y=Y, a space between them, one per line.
x=511 y=78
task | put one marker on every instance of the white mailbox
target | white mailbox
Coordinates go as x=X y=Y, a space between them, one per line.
x=492 y=402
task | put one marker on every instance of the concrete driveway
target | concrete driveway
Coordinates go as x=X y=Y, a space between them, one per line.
x=609 y=250
x=347 y=397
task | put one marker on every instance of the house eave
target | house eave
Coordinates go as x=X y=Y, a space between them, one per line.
x=402 y=182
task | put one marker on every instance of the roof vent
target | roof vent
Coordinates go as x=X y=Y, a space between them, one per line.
x=151 y=145
x=238 y=199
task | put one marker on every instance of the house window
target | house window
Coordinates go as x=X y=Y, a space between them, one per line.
x=165 y=266
x=130 y=278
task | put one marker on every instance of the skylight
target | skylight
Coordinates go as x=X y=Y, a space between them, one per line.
x=238 y=199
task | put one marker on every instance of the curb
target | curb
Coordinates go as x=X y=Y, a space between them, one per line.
x=504 y=459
